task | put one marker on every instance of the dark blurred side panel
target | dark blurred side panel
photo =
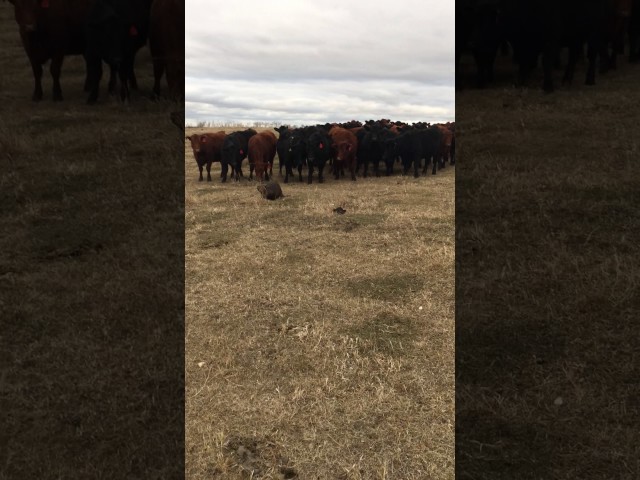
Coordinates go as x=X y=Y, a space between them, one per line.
x=91 y=246
x=547 y=241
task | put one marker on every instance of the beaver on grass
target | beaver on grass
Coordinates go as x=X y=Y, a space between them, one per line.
x=270 y=190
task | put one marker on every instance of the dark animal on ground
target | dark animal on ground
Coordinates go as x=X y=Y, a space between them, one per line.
x=270 y=190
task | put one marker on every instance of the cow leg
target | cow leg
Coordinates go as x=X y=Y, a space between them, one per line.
x=133 y=81
x=574 y=51
x=252 y=167
x=592 y=53
x=225 y=171
x=416 y=168
x=200 y=168
x=320 y=174
x=158 y=71
x=113 y=79
x=548 y=57
x=55 y=69
x=300 y=172
x=435 y=166
x=208 y=171
x=353 y=170
x=124 y=82
x=94 y=74
x=310 y=174
x=37 y=78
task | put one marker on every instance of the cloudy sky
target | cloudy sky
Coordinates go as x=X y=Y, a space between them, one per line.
x=317 y=61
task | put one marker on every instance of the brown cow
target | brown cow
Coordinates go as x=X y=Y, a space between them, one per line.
x=444 y=152
x=50 y=30
x=262 y=151
x=207 y=148
x=344 y=146
x=166 y=43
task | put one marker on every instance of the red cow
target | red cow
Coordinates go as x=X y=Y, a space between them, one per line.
x=166 y=43
x=50 y=29
x=207 y=148
x=262 y=151
x=344 y=145
x=444 y=152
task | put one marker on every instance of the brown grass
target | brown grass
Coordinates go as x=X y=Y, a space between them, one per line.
x=320 y=345
x=547 y=242
x=91 y=278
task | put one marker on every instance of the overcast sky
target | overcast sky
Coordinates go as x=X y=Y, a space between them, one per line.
x=317 y=61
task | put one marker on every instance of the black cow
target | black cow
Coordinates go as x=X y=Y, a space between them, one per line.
x=234 y=150
x=541 y=27
x=318 y=152
x=115 y=31
x=478 y=31
x=297 y=152
x=411 y=147
x=371 y=146
x=283 y=146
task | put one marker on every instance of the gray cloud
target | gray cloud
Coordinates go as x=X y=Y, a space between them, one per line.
x=306 y=62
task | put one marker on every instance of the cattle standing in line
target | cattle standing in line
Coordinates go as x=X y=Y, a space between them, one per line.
x=262 y=151
x=109 y=30
x=344 y=146
x=411 y=147
x=207 y=148
x=166 y=44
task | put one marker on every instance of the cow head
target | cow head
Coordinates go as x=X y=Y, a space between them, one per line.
x=196 y=143
x=344 y=150
x=26 y=11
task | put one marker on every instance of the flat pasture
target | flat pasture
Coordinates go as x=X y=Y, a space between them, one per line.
x=319 y=345
x=547 y=236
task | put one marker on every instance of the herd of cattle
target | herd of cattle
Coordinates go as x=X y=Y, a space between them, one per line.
x=346 y=146
x=535 y=29
x=109 y=31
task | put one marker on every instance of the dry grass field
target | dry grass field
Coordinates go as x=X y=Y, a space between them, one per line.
x=547 y=305
x=91 y=278
x=320 y=346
